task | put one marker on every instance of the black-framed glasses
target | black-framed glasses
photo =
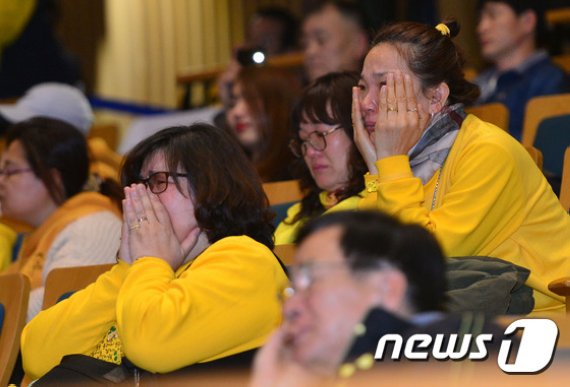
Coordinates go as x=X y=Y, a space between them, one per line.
x=317 y=140
x=9 y=172
x=157 y=182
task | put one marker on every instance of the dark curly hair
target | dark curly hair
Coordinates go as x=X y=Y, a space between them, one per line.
x=431 y=56
x=227 y=193
x=327 y=100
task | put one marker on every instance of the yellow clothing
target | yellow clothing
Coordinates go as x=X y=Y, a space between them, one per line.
x=7 y=239
x=491 y=200
x=35 y=247
x=286 y=232
x=105 y=162
x=14 y=16
x=222 y=303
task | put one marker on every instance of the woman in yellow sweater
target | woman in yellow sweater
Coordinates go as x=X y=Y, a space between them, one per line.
x=469 y=182
x=328 y=166
x=196 y=280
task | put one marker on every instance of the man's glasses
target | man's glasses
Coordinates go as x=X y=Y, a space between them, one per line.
x=304 y=275
x=157 y=182
x=9 y=172
x=317 y=140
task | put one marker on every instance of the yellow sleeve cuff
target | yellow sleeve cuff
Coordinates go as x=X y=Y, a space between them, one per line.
x=393 y=168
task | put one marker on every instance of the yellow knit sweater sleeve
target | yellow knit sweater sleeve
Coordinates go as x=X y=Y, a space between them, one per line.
x=484 y=192
x=73 y=326
x=226 y=302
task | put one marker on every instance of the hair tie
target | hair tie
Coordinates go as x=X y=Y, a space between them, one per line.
x=444 y=29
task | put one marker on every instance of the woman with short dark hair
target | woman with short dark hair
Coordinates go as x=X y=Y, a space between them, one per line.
x=196 y=280
x=43 y=172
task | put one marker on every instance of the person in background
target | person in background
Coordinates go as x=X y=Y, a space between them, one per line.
x=334 y=38
x=272 y=30
x=470 y=183
x=49 y=99
x=42 y=174
x=357 y=276
x=69 y=104
x=510 y=33
x=196 y=280
x=259 y=115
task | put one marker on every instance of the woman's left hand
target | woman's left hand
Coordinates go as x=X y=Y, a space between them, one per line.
x=150 y=230
x=401 y=120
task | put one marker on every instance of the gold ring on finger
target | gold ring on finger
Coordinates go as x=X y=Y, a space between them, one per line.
x=392 y=109
x=134 y=226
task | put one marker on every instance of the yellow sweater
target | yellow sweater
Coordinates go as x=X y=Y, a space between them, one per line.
x=491 y=200
x=224 y=302
x=286 y=232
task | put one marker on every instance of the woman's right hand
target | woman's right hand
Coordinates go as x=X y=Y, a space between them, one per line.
x=150 y=230
x=364 y=141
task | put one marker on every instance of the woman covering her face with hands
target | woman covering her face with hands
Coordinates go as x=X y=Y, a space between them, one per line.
x=196 y=280
x=469 y=182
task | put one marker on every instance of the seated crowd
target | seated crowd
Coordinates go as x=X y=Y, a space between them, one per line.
x=398 y=183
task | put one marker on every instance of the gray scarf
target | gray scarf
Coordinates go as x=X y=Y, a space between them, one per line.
x=431 y=151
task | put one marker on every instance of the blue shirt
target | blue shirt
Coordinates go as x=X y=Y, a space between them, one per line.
x=514 y=88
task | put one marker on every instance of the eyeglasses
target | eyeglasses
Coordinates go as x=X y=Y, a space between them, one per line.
x=157 y=182
x=317 y=140
x=10 y=172
x=304 y=275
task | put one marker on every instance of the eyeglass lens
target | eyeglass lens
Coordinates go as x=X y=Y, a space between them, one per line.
x=158 y=182
x=316 y=140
